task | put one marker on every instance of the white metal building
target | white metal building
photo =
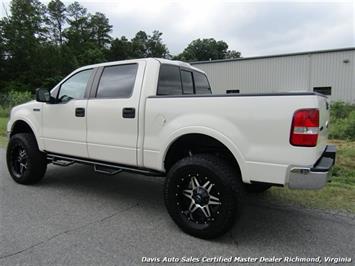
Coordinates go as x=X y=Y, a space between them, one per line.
x=331 y=72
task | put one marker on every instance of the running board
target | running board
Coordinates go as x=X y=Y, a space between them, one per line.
x=60 y=162
x=106 y=170
x=99 y=167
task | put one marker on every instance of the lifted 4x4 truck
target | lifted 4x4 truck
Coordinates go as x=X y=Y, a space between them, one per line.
x=158 y=117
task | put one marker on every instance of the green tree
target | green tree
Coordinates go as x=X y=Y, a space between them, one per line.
x=144 y=45
x=231 y=54
x=78 y=32
x=23 y=32
x=207 y=49
x=87 y=35
x=39 y=45
x=139 y=45
x=76 y=13
x=57 y=18
x=121 y=49
x=100 y=29
x=91 y=55
x=156 y=47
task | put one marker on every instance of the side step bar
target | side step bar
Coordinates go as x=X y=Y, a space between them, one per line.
x=99 y=167
x=62 y=162
x=106 y=170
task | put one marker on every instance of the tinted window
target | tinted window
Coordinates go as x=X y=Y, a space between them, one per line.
x=117 y=81
x=169 y=80
x=201 y=84
x=323 y=90
x=75 y=86
x=232 y=91
x=187 y=83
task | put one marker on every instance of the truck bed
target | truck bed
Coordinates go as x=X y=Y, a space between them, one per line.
x=257 y=126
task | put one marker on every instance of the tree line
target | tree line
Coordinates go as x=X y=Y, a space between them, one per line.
x=40 y=44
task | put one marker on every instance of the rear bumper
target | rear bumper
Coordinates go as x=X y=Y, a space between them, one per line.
x=314 y=177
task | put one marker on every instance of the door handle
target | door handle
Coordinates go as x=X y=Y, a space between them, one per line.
x=128 y=112
x=79 y=112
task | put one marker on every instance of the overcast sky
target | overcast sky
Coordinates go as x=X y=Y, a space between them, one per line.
x=253 y=28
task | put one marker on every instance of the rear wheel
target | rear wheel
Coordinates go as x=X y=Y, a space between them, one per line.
x=202 y=193
x=26 y=163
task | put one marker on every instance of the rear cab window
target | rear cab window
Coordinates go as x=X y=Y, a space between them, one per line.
x=174 y=80
x=202 y=85
x=169 y=80
x=187 y=82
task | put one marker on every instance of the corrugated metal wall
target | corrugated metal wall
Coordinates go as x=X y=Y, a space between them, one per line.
x=329 y=69
x=286 y=73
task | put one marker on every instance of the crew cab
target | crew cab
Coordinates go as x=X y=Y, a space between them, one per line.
x=159 y=117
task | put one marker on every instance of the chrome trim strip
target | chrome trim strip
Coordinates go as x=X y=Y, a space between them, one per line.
x=306 y=130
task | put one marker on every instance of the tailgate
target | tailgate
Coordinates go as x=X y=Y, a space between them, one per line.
x=324 y=108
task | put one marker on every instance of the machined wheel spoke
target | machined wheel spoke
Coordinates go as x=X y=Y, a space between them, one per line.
x=187 y=193
x=206 y=211
x=214 y=201
x=199 y=194
x=23 y=167
x=193 y=207
x=195 y=182
x=22 y=153
x=208 y=186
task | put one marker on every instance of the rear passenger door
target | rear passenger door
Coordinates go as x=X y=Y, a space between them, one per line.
x=112 y=122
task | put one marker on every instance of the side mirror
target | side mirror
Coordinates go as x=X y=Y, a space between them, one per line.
x=43 y=95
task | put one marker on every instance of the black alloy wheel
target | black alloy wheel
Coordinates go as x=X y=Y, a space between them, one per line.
x=202 y=194
x=25 y=162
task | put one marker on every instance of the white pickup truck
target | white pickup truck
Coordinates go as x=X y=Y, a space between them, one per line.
x=158 y=117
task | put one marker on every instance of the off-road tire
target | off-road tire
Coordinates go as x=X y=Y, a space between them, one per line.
x=227 y=183
x=36 y=163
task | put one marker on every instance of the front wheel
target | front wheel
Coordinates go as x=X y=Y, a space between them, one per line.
x=202 y=193
x=26 y=163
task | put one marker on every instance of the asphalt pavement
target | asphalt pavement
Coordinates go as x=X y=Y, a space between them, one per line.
x=78 y=217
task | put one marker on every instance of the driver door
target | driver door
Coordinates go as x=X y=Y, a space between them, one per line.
x=64 y=122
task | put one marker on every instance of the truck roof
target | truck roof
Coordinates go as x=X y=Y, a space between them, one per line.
x=161 y=60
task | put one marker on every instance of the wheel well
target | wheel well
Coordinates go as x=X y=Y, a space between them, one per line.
x=197 y=143
x=21 y=127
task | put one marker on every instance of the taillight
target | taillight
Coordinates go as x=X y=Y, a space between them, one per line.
x=305 y=128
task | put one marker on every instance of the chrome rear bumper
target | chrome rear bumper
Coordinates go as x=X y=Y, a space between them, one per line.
x=313 y=177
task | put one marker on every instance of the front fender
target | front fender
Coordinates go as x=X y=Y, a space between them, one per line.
x=33 y=119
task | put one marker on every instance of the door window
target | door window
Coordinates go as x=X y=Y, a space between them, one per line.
x=75 y=86
x=117 y=81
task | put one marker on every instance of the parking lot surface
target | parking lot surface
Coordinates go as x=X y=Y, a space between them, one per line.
x=78 y=217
